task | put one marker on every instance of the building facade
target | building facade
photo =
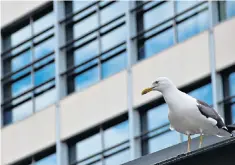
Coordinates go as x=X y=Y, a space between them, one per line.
x=72 y=74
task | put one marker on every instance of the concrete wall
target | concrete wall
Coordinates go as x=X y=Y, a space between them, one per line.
x=28 y=136
x=12 y=10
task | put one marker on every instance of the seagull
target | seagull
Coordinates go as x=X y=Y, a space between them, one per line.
x=189 y=115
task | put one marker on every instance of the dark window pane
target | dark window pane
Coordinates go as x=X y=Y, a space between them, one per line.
x=192 y=26
x=21 y=86
x=44 y=74
x=86 y=52
x=45 y=99
x=113 y=11
x=85 y=26
x=43 y=22
x=184 y=5
x=114 y=65
x=230 y=9
x=118 y=158
x=203 y=93
x=157 y=117
x=113 y=38
x=116 y=134
x=49 y=160
x=163 y=141
x=44 y=48
x=87 y=78
x=155 y=16
x=83 y=148
x=21 y=60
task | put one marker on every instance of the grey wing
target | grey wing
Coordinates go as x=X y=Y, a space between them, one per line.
x=209 y=112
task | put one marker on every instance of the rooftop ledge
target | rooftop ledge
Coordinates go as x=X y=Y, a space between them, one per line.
x=215 y=151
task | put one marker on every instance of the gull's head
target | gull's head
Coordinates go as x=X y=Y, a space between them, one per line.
x=161 y=84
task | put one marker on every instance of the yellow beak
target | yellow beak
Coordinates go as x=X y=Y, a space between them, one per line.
x=147 y=90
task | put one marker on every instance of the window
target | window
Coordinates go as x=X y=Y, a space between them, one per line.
x=156 y=134
x=226 y=9
x=95 y=45
x=28 y=66
x=109 y=143
x=157 y=32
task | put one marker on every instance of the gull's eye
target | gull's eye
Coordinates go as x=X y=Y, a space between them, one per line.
x=156 y=82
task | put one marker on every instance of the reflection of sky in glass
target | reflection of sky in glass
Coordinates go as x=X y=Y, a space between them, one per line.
x=44 y=48
x=44 y=74
x=118 y=159
x=45 y=99
x=163 y=141
x=157 y=116
x=83 y=148
x=87 y=78
x=49 y=160
x=116 y=134
x=192 y=26
x=78 y=5
x=21 y=60
x=21 y=86
x=233 y=113
x=113 y=65
x=230 y=9
x=43 y=22
x=20 y=35
x=86 y=52
x=183 y=5
x=155 y=15
x=159 y=43
x=112 y=11
x=203 y=93
x=232 y=84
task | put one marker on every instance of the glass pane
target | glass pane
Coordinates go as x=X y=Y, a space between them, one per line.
x=184 y=5
x=230 y=8
x=232 y=84
x=83 y=148
x=20 y=35
x=233 y=113
x=157 y=116
x=119 y=158
x=44 y=74
x=78 y=5
x=85 y=26
x=43 y=23
x=86 y=52
x=46 y=99
x=21 y=60
x=114 y=65
x=18 y=113
x=21 y=86
x=163 y=141
x=203 y=93
x=44 y=48
x=158 y=43
x=116 y=134
x=192 y=26
x=87 y=78
x=49 y=160
x=155 y=16
x=113 y=11
x=113 y=38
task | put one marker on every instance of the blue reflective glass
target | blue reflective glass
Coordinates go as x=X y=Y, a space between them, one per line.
x=118 y=158
x=87 y=78
x=233 y=113
x=158 y=43
x=157 y=116
x=85 y=26
x=44 y=48
x=21 y=60
x=83 y=148
x=113 y=38
x=49 y=160
x=163 y=141
x=21 y=86
x=45 y=99
x=86 y=52
x=43 y=22
x=113 y=65
x=230 y=9
x=116 y=134
x=112 y=11
x=203 y=93
x=44 y=74
x=20 y=35
x=232 y=84
x=184 y=5
x=78 y=5
x=155 y=16
x=192 y=26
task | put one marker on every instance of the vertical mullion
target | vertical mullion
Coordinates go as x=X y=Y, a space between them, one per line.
x=1 y=93
x=174 y=23
x=99 y=40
